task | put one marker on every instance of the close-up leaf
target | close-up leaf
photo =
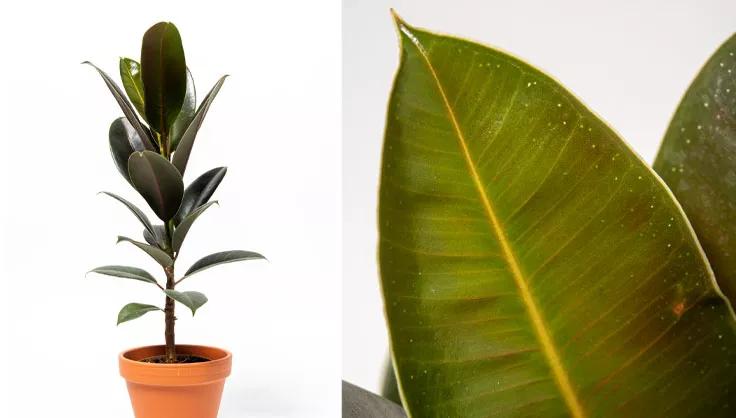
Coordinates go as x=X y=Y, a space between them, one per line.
x=135 y=310
x=184 y=148
x=182 y=229
x=223 y=257
x=188 y=109
x=124 y=140
x=164 y=74
x=156 y=253
x=125 y=272
x=126 y=107
x=190 y=299
x=199 y=192
x=158 y=181
x=134 y=209
x=130 y=73
x=697 y=160
x=531 y=263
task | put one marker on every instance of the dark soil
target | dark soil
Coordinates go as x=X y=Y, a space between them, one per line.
x=180 y=359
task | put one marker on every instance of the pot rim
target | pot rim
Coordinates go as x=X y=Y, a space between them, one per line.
x=186 y=374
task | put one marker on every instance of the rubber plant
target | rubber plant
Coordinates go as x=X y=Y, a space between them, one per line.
x=150 y=146
x=533 y=265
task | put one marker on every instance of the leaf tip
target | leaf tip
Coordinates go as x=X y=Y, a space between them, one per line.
x=398 y=21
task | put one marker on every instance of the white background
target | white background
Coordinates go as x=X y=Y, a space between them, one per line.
x=630 y=61
x=275 y=124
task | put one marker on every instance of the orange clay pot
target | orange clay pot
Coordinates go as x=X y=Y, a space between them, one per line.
x=175 y=390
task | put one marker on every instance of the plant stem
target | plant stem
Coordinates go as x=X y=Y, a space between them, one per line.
x=170 y=318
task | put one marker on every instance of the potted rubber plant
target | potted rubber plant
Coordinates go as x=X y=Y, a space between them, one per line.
x=151 y=145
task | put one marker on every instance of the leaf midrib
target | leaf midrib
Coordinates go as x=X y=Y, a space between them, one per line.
x=548 y=348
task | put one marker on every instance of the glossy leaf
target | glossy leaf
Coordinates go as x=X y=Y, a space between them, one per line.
x=224 y=257
x=698 y=161
x=130 y=73
x=158 y=238
x=181 y=231
x=156 y=253
x=190 y=299
x=126 y=107
x=359 y=403
x=135 y=310
x=199 y=192
x=134 y=209
x=124 y=140
x=164 y=74
x=158 y=181
x=126 y=272
x=188 y=109
x=184 y=148
x=532 y=265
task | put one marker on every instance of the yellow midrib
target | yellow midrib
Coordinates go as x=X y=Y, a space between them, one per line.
x=548 y=347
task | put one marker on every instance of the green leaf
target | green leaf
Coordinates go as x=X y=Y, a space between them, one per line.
x=531 y=264
x=124 y=140
x=126 y=273
x=186 y=115
x=135 y=310
x=199 y=192
x=184 y=148
x=181 y=231
x=156 y=253
x=130 y=73
x=190 y=299
x=126 y=107
x=164 y=74
x=359 y=403
x=224 y=257
x=133 y=208
x=697 y=160
x=158 y=181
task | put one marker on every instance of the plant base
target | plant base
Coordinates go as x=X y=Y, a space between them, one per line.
x=180 y=390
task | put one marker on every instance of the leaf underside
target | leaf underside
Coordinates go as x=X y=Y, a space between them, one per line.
x=222 y=257
x=190 y=299
x=698 y=161
x=532 y=265
x=133 y=311
x=161 y=257
x=125 y=272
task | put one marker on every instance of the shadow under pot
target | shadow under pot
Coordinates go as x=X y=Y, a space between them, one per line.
x=181 y=390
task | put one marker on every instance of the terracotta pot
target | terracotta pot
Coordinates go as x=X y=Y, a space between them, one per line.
x=175 y=390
